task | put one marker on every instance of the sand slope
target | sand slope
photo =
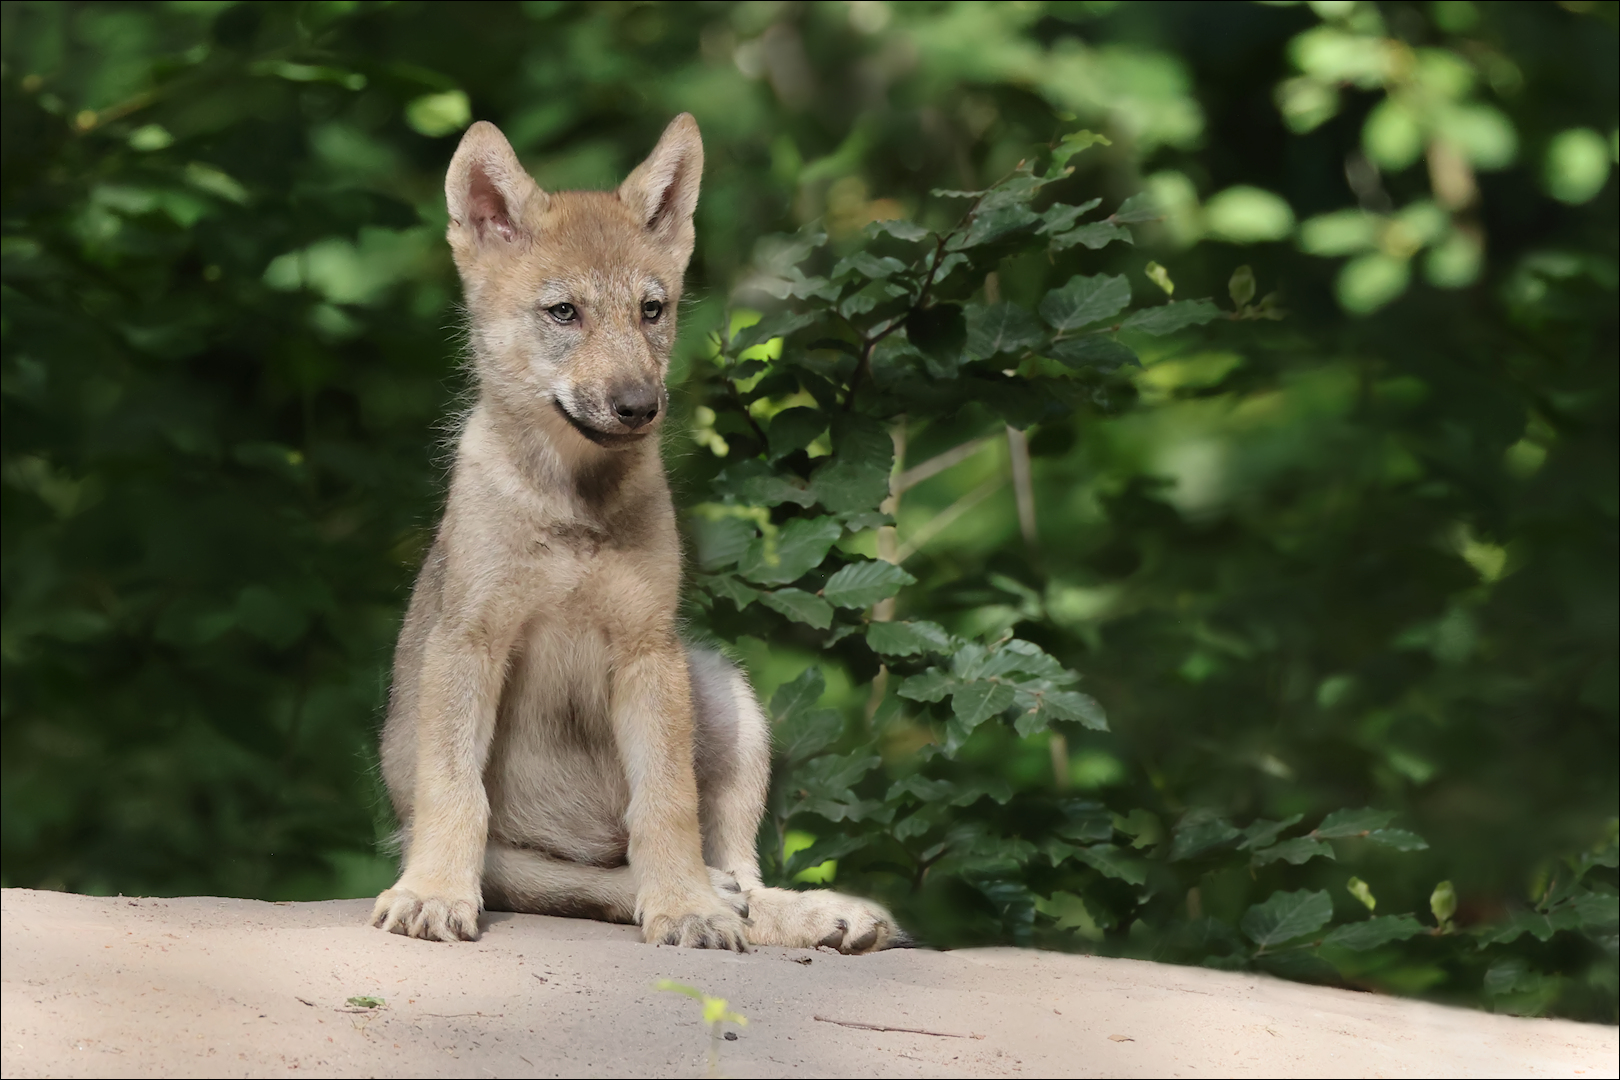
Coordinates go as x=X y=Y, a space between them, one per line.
x=208 y=987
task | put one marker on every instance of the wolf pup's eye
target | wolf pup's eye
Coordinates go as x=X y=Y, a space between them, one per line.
x=651 y=310
x=563 y=313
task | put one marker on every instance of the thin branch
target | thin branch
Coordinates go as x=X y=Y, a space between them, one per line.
x=946 y=517
x=1023 y=489
x=938 y=464
x=885 y=1027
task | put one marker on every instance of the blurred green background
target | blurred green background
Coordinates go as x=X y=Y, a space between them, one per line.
x=1364 y=555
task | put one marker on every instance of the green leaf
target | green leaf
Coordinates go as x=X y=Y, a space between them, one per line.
x=364 y=1002
x=753 y=483
x=1060 y=217
x=1510 y=975
x=1297 y=851
x=869 y=266
x=1099 y=234
x=992 y=224
x=863 y=584
x=1595 y=910
x=1176 y=315
x=826 y=783
x=1520 y=923
x=1085 y=300
x=1137 y=208
x=1372 y=933
x=1110 y=861
x=794 y=429
x=1399 y=839
x=975 y=702
x=1075 y=142
x=721 y=542
x=808 y=733
x=800 y=606
x=931 y=685
x=867 y=519
x=1160 y=277
x=1096 y=351
x=925 y=789
x=1363 y=892
x=1241 y=285
x=1264 y=833
x=1286 y=916
x=1072 y=705
x=724 y=585
x=1198 y=832
x=938 y=332
x=907 y=638
x=974 y=661
x=825 y=848
x=801 y=729
x=798 y=694
x=1001 y=329
x=1086 y=822
x=849 y=486
x=898 y=228
x=799 y=548
x=434 y=115
x=1443 y=902
x=1344 y=823
x=780 y=324
x=1031 y=718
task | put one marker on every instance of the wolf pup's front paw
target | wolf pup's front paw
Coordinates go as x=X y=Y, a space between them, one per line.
x=438 y=918
x=713 y=928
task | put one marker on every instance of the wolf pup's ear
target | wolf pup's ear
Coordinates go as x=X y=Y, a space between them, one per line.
x=488 y=192
x=663 y=191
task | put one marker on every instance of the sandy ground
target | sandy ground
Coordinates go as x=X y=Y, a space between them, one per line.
x=206 y=987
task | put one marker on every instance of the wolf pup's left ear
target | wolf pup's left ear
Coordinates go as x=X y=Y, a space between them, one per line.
x=663 y=191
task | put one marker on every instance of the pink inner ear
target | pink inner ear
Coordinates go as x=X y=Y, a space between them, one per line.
x=487 y=207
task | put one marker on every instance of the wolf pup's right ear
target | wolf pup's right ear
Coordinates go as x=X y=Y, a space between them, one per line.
x=663 y=191
x=488 y=192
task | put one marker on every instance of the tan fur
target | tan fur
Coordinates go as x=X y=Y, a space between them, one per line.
x=551 y=744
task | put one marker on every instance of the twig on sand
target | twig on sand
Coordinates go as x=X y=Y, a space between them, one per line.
x=886 y=1027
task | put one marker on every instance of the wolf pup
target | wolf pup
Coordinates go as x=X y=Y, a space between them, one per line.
x=552 y=746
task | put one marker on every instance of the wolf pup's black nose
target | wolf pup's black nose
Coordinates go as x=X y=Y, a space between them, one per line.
x=636 y=406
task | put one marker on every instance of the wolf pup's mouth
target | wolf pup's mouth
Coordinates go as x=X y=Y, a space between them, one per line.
x=607 y=440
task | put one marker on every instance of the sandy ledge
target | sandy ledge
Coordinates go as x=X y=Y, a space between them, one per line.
x=199 y=986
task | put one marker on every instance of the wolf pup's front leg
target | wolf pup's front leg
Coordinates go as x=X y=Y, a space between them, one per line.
x=676 y=902
x=437 y=895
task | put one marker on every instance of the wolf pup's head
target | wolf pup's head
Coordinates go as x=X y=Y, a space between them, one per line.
x=573 y=294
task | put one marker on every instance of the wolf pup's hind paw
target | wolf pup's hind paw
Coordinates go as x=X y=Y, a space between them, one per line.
x=437 y=918
x=818 y=918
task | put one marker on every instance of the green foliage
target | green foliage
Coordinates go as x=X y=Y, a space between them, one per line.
x=1075 y=596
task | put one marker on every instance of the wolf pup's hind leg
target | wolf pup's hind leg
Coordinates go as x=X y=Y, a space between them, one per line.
x=732 y=755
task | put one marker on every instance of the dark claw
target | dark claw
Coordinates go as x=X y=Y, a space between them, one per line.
x=672 y=938
x=865 y=941
x=836 y=937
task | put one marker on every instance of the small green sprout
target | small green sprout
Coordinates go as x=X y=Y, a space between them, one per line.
x=716 y=1011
